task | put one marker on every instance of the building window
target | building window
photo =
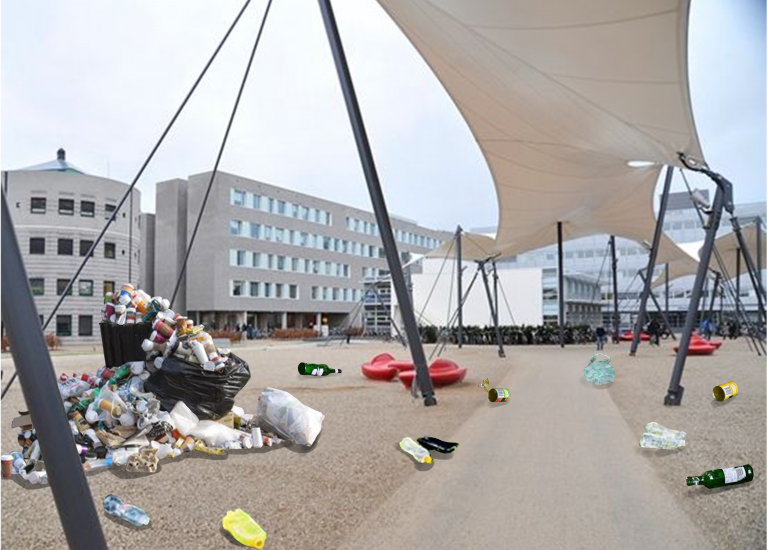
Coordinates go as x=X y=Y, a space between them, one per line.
x=85 y=325
x=38 y=286
x=63 y=325
x=237 y=288
x=37 y=206
x=85 y=288
x=314 y=293
x=61 y=286
x=235 y=227
x=109 y=250
x=293 y=292
x=281 y=263
x=241 y=257
x=65 y=247
x=238 y=197
x=109 y=286
x=256 y=202
x=254 y=289
x=281 y=208
x=85 y=246
x=255 y=230
x=37 y=245
x=278 y=290
x=67 y=207
x=108 y=209
x=87 y=209
x=267 y=290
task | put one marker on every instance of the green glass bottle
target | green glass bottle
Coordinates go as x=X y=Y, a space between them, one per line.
x=316 y=370
x=723 y=477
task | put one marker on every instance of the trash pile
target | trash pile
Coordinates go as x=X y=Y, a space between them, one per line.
x=179 y=400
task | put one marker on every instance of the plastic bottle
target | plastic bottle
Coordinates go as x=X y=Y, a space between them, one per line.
x=38 y=477
x=258 y=441
x=244 y=529
x=419 y=453
x=132 y=514
x=434 y=444
x=98 y=463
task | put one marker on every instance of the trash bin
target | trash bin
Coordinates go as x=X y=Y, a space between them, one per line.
x=122 y=343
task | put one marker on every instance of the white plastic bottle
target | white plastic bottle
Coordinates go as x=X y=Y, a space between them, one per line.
x=419 y=453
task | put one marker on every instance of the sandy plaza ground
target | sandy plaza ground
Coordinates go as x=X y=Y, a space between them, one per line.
x=559 y=466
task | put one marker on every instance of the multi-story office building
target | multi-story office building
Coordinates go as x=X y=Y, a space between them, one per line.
x=268 y=256
x=58 y=210
x=591 y=256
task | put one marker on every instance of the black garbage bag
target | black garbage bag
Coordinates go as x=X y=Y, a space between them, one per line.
x=207 y=394
x=122 y=343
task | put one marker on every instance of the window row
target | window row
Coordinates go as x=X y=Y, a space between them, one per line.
x=239 y=228
x=66 y=247
x=84 y=286
x=246 y=258
x=39 y=205
x=279 y=207
x=362 y=226
x=685 y=224
x=256 y=289
x=374 y=273
x=417 y=240
x=334 y=294
x=84 y=325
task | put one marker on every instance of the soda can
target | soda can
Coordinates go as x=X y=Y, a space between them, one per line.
x=725 y=391
x=498 y=395
x=157 y=338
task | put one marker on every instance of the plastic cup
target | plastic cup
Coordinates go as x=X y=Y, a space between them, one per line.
x=7 y=465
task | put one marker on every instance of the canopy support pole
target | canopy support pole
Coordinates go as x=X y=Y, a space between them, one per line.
x=459 y=271
x=614 y=264
x=738 y=276
x=658 y=307
x=666 y=289
x=723 y=198
x=495 y=289
x=754 y=276
x=71 y=492
x=560 y=285
x=759 y=254
x=494 y=314
x=714 y=294
x=379 y=204
x=652 y=260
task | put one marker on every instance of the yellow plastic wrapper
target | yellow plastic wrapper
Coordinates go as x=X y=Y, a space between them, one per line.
x=200 y=446
x=246 y=531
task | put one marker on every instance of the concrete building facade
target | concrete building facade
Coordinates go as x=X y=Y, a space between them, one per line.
x=58 y=211
x=268 y=256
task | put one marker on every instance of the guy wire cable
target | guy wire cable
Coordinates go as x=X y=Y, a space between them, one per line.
x=135 y=180
x=183 y=269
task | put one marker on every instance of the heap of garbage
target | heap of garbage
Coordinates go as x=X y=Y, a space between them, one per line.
x=180 y=399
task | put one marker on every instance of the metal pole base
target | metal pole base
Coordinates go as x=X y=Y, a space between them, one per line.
x=674 y=397
x=632 y=353
x=502 y=354
x=430 y=401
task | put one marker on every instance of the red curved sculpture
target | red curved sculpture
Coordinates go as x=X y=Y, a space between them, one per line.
x=627 y=335
x=699 y=349
x=443 y=372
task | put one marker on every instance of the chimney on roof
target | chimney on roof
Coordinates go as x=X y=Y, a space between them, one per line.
x=61 y=155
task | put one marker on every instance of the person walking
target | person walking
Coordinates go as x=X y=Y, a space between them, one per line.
x=653 y=331
x=600 y=333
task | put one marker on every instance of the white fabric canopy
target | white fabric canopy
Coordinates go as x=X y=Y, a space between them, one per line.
x=560 y=95
x=474 y=247
x=727 y=246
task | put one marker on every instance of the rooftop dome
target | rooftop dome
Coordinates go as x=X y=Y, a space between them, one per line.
x=58 y=165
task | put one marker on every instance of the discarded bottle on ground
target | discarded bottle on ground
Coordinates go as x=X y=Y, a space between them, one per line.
x=657 y=436
x=419 y=453
x=316 y=370
x=245 y=530
x=435 y=444
x=133 y=514
x=725 y=391
x=723 y=477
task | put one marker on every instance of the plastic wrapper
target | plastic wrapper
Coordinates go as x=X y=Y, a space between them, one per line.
x=213 y=433
x=289 y=417
x=207 y=394
x=183 y=419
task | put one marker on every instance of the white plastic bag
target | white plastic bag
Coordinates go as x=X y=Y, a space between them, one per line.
x=213 y=433
x=183 y=419
x=290 y=418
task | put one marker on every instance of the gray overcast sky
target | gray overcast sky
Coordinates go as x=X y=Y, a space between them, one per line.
x=102 y=79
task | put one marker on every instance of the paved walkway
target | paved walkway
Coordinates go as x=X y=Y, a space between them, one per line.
x=555 y=468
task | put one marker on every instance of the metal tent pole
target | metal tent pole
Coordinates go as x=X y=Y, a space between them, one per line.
x=614 y=264
x=738 y=276
x=71 y=492
x=759 y=253
x=495 y=288
x=666 y=289
x=658 y=307
x=494 y=312
x=379 y=204
x=459 y=271
x=652 y=260
x=560 y=285
x=714 y=293
x=675 y=392
x=751 y=269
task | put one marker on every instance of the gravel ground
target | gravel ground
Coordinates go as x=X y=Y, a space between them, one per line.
x=317 y=497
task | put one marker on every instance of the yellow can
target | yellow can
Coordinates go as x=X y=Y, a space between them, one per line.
x=725 y=391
